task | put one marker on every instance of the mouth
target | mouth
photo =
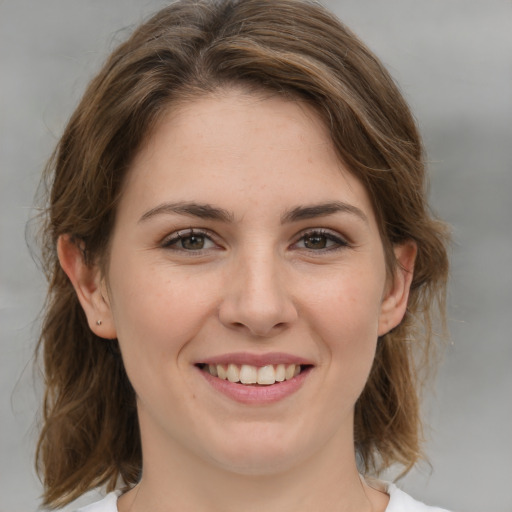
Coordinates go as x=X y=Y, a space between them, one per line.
x=249 y=375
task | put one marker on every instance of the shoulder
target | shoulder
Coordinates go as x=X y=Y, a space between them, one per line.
x=399 y=501
x=107 y=504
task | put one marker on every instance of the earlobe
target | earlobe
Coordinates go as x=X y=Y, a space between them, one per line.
x=394 y=303
x=89 y=286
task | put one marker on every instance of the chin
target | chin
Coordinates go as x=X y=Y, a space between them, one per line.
x=263 y=451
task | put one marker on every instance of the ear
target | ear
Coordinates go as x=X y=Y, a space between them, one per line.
x=394 y=303
x=89 y=285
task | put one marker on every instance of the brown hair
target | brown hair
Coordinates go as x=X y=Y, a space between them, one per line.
x=90 y=435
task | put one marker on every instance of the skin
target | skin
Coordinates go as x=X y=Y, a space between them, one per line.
x=264 y=281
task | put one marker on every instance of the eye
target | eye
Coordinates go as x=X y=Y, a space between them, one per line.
x=189 y=240
x=319 y=240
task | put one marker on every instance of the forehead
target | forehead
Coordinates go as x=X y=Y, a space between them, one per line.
x=235 y=144
x=241 y=121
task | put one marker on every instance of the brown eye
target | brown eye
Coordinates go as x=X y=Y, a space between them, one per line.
x=189 y=241
x=320 y=241
x=193 y=242
x=315 y=241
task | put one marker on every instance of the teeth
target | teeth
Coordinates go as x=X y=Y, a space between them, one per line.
x=266 y=375
x=233 y=373
x=290 y=371
x=221 y=371
x=247 y=374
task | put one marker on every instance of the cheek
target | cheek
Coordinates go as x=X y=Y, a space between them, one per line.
x=156 y=312
x=346 y=317
x=348 y=303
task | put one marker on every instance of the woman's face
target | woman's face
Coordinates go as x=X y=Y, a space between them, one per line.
x=242 y=246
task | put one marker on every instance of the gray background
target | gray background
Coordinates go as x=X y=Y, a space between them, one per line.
x=453 y=61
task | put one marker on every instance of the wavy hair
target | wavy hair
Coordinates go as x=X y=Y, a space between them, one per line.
x=90 y=435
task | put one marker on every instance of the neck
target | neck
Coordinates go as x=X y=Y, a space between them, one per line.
x=182 y=482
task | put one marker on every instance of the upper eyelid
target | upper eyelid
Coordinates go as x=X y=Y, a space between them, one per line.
x=340 y=242
x=322 y=231
x=186 y=232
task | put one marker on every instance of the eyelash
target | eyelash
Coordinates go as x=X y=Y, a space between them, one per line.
x=174 y=239
x=338 y=241
x=186 y=234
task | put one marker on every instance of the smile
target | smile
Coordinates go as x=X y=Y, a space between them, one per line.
x=255 y=379
x=253 y=375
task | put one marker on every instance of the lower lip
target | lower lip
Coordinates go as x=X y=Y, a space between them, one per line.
x=255 y=395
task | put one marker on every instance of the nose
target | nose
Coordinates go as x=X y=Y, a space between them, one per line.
x=256 y=297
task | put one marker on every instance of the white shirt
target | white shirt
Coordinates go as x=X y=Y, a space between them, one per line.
x=399 y=501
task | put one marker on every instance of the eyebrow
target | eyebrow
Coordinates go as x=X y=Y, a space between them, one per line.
x=321 y=210
x=207 y=211
x=190 y=209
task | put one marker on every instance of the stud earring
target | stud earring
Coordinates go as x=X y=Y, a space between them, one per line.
x=98 y=322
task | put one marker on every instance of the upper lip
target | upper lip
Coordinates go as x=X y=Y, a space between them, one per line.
x=240 y=358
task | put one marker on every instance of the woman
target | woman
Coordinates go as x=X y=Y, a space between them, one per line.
x=241 y=261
